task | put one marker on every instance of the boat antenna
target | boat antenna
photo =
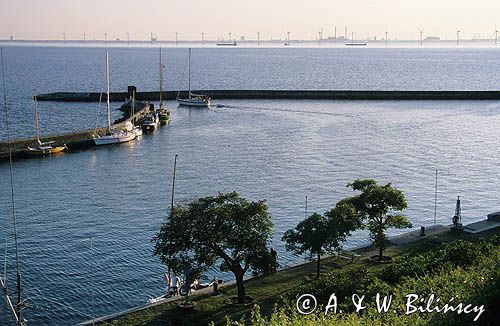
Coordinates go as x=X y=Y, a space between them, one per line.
x=17 y=311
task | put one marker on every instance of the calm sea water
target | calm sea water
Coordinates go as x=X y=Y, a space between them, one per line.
x=264 y=149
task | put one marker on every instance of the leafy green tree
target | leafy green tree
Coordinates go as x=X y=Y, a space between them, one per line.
x=223 y=228
x=320 y=234
x=376 y=204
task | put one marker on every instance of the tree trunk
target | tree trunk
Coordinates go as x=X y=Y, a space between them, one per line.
x=317 y=268
x=240 y=286
x=380 y=252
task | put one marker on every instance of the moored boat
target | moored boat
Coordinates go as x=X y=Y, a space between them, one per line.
x=112 y=136
x=195 y=100
x=150 y=121
x=43 y=148
x=163 y=114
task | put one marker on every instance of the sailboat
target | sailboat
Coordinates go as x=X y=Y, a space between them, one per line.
x=163 y=114
x=112 y=136
x=193 y=99
x=43 y=148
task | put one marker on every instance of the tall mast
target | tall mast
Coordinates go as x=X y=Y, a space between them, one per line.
x=189 y=78
x=107 y=92
x=173 y=185
x=17 y=311
x=161 y=82
x=36 y=121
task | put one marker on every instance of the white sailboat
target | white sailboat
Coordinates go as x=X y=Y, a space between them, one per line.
x=43 y=148
x=193 y=99
x=112 y=136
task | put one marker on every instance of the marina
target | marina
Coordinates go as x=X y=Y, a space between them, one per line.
x=278 y=145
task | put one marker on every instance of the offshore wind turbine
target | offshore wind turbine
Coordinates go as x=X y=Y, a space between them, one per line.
x=176 y=38
x=258 y=38
x=386 y=37
x=202 y=38
x=128 y=38
x=458 y=36
x=496 y=35
x=421 y=39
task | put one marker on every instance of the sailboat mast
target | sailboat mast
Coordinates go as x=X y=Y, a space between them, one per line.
x=189 y=78
x=107 y=92
x=36 y=120
x=17 y=311
x=161 y=82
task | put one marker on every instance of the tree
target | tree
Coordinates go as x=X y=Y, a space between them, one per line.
x=223 y=228
x=320 y=234
x=375 y=204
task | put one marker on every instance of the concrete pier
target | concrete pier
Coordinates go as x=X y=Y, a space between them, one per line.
x=283 y=94
x=77 y=140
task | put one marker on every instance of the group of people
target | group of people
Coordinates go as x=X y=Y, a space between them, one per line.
x=177 y=286
x=174 y=284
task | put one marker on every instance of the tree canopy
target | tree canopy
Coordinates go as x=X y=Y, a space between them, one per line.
x=319 y=234
x=224 y=228
x=378 y=204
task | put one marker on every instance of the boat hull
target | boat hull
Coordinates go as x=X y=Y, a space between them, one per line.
x=114 y=139
x=40 y=151
x=196 y=103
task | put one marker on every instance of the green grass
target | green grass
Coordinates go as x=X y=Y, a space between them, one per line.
x=266 y=290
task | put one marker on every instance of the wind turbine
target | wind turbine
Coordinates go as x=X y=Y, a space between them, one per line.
x=202 y=38
x=421 y=39
x=128 y=38
x=105 y=38
x=258 y=38
x=458 y=36
x=176 y=38
x=385 y=37
x=496 y=35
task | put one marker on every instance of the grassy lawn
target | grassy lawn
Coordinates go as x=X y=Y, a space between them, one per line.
x=267 y=290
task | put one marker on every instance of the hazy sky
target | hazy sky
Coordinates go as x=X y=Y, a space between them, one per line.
x=49 y=19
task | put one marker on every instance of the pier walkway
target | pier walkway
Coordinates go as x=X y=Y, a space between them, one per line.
x=74 y=140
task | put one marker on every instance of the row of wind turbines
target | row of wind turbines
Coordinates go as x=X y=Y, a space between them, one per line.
x=320 y=38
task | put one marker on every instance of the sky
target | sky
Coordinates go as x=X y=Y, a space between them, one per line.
x=50 y=19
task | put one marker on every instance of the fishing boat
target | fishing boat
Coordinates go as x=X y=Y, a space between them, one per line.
x=163 y=114
x=43 y=148
x=112 y=136
x=193 y=99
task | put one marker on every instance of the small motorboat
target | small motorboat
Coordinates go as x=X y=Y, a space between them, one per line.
x=150 y=121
